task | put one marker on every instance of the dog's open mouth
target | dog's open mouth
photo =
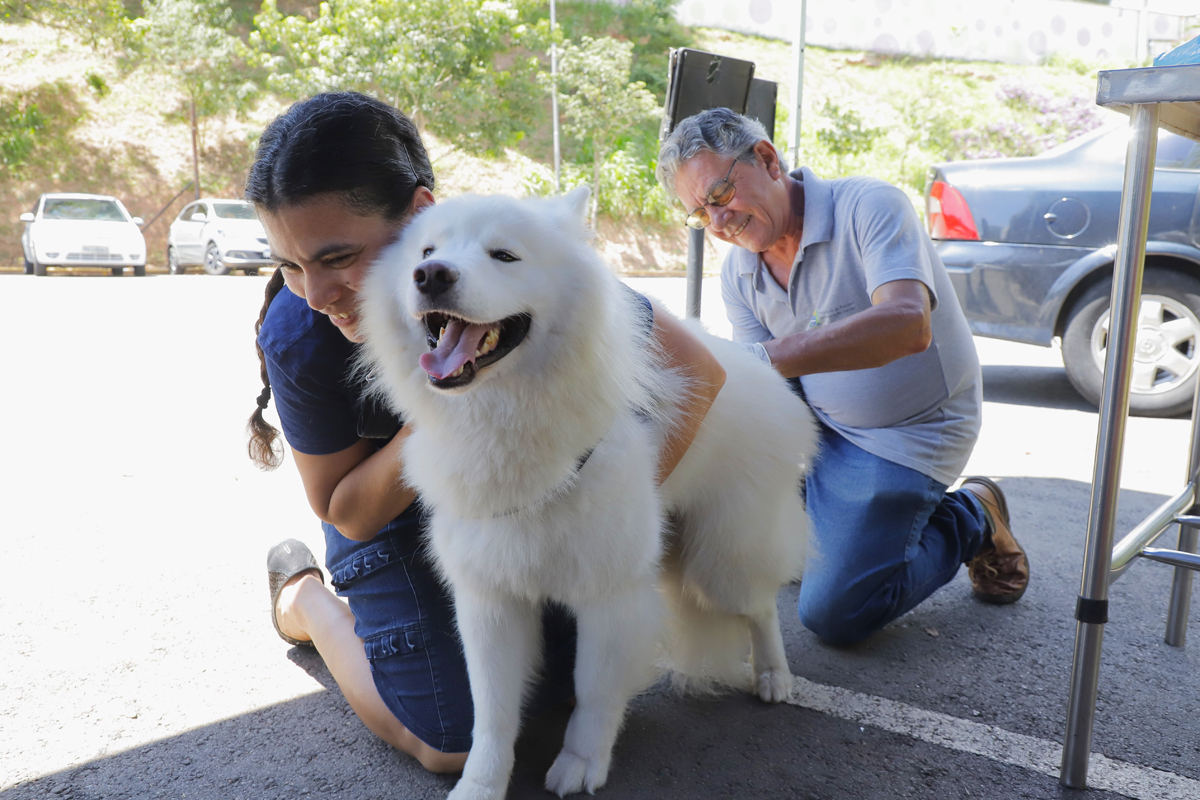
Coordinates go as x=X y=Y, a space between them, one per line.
x=460 y=348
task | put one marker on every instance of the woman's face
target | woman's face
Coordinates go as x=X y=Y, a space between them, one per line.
x=324 y=249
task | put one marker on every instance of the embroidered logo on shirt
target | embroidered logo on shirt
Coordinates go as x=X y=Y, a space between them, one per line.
x=819 y=318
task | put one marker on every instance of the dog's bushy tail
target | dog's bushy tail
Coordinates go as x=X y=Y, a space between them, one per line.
x=705 y=650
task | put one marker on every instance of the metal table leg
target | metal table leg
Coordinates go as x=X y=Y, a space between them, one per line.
x=1181 y=587
x=1092 y=607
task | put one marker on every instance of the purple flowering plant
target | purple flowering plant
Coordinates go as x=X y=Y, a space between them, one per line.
x=1035 y=121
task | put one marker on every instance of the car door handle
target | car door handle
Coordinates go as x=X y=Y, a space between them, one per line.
x=1049 y=216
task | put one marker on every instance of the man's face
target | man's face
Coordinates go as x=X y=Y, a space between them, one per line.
x=756 y=216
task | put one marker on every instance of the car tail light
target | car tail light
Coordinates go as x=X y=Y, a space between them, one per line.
x=948 y=213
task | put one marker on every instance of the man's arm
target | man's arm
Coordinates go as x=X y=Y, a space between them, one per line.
x=896 y=325
x=747 y=328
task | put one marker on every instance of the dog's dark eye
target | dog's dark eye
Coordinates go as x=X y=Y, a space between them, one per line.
x=503 y=255
x=427 y=252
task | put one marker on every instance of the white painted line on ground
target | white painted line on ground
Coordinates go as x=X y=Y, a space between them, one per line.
x=1027 y=752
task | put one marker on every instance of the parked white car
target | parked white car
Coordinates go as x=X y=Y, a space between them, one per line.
x=220 y=235
x=82 y=230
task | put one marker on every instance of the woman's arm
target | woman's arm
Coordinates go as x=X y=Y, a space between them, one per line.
x=706 y=375
x=357 y=490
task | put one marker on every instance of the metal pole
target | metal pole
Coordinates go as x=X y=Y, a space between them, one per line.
x=1142 y=48
x=554 y=102
x=797 y=88
x=1091 y=610
x=195 y=153
x=695 y=271
x=1181 y=586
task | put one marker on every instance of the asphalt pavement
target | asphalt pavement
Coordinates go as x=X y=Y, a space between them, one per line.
x=137 y=657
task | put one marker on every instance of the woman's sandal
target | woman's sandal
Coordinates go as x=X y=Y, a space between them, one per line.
x=285 y=561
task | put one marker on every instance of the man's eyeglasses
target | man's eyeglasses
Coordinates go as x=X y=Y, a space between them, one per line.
x=718 y=196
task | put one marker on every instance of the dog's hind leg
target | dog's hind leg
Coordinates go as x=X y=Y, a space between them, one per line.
x=736 y=556
x=500 y=637
x=614 y=660
x=772 y=677
x=705 y=647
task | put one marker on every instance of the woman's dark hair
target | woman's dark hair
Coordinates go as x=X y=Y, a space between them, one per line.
x=340 y=142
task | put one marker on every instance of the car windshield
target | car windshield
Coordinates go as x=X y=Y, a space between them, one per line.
x=82 y=208
x=234 y=210
x=1173 y=152
x=1176 y=152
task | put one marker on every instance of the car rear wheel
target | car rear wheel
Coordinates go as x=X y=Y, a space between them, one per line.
x=1166 y=348
x=213 y=264
x=173 y=265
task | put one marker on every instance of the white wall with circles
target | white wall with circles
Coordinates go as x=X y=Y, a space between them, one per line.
x=1012 y=31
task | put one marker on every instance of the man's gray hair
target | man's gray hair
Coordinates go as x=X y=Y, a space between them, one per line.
x=717 y=130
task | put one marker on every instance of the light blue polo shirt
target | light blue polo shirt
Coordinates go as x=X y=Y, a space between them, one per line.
x=921 y=411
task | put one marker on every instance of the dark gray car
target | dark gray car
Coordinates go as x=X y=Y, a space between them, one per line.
x=1029 y=244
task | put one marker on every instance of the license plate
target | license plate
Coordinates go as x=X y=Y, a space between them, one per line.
x=95 y=248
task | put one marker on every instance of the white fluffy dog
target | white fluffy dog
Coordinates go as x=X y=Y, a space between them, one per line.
x=539 y=404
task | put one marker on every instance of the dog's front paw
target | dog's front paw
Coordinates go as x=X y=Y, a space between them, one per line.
x=470 y=790
x=774 y=685
x=569 y=774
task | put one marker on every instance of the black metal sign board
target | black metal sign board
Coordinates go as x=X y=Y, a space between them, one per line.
x=699 y=81
x=761 y=104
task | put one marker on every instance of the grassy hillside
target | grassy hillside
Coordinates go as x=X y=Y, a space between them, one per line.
x=100 y=128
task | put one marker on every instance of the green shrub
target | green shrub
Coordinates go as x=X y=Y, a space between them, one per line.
x=98 y=84
x=627 y=185
x=35 y=130
x=20 y=123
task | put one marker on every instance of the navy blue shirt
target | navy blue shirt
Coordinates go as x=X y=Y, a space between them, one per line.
x=308 y=363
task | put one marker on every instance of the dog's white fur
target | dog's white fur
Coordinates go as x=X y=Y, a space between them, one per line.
x=514 y=522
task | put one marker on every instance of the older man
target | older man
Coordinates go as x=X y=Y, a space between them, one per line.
x=835 y=283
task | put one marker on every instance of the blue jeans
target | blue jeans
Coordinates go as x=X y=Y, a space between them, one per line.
x=884 y=537
x=405 y=617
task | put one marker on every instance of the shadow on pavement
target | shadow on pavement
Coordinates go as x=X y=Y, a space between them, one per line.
x=1003 y=666
x=1045 y=387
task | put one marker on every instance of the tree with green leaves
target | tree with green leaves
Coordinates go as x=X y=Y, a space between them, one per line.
x=598 y=100
x=845 y=134
x=94 y=21
x=435 y=60
x=189 y=41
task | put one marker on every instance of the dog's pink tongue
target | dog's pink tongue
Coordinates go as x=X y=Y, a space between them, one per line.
x=456 y=347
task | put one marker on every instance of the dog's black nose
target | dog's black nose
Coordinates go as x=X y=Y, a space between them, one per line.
x=434 y=278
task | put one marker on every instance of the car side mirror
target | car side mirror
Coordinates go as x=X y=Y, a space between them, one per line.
x=27 y=217
x=199 y=216
x=138 y=221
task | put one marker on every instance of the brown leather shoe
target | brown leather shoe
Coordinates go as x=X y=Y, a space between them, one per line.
x=1000 y=573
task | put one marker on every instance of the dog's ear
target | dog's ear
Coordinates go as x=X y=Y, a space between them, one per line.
x=576 y=203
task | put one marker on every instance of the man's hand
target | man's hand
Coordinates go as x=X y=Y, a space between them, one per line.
x=896 y=325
